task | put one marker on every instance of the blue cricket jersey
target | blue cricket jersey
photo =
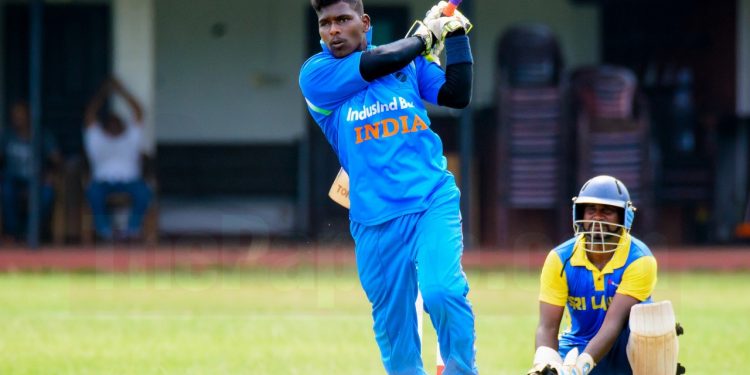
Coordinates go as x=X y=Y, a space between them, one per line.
x=380 y=132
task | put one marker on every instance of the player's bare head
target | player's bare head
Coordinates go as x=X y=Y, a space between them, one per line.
x=342 y=26
x=356 y=5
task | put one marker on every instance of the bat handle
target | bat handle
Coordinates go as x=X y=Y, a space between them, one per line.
x=449 y=9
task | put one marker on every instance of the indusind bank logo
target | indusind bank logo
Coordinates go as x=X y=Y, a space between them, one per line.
x=377 y=108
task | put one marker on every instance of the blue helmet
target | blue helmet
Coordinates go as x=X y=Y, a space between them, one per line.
x=605 y=190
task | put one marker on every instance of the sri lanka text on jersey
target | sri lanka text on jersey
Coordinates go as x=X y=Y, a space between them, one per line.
x=597 y=303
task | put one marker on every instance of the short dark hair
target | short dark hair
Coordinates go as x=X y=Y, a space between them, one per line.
x=355 y=4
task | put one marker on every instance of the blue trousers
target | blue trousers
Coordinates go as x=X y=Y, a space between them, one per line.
x=418 y=250
x=97 y=193
x=615 y=362
x=13 y=190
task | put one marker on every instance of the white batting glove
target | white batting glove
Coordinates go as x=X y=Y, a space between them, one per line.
x=546 y=358
x=436 y=11
x=575 y=364
x=421 y=30
x=441 y=25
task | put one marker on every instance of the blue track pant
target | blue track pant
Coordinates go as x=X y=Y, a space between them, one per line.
x=418 y=249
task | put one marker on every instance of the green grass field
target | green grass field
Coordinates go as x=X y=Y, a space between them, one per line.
x=300 y=322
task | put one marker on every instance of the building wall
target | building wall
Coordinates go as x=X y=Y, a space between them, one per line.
x=227 y=70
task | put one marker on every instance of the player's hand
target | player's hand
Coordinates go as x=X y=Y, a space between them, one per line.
x=441 y=25
x=575 y=364
x=436 y=11
x=547 y=361
x=545 y=369
x=422 y=31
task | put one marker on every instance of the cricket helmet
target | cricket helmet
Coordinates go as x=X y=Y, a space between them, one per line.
x=605 y=190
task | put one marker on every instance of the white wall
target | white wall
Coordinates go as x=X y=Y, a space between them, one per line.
x=743 y=58
x=133 y=57
x=241 y=87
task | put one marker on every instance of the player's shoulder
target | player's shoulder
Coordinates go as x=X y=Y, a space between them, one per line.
x=564 y=249
x=638 y=248
x=314 y=61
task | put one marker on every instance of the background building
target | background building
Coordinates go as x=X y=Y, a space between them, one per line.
x=236 y=152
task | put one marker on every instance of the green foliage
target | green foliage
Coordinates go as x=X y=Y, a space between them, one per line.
x=300 y=322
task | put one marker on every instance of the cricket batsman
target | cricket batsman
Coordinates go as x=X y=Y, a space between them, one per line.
x=404 y=204
x=605 y=278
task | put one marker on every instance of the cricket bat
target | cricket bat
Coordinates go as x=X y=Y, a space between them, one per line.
x=339 y=191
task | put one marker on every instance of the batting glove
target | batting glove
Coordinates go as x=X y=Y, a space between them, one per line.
x=575 y=364
x=546 y=360
x=419 y=29
x=441 y=25
x=436 y=11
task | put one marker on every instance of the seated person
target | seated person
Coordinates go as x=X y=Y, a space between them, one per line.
x=15 y=156
x=113 y=148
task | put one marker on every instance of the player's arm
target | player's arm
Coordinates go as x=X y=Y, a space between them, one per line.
x=390 y=58
x=549 y=325
x=553 y=295
x=452 y=87
x=638 y=282
x=614 y=322
x=456 y=91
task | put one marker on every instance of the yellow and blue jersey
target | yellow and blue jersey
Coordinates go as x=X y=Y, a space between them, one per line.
x=569 y=279
x=380 y=132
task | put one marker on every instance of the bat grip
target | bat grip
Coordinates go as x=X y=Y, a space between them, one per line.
x=449 y=9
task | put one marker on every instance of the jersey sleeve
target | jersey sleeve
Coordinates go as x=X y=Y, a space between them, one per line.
x=554 y=288
x=430 y=77
x=327 y=81
x=639 y=279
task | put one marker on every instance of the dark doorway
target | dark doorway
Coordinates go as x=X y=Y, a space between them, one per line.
x=76 y=59
x=659 y=39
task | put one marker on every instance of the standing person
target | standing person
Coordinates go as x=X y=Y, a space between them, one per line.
x=113 y=148
x=599 y=275
x=15 y=156
x=404 y=213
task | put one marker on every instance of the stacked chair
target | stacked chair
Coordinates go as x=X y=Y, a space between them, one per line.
x=613 y=133
x=531 y=165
